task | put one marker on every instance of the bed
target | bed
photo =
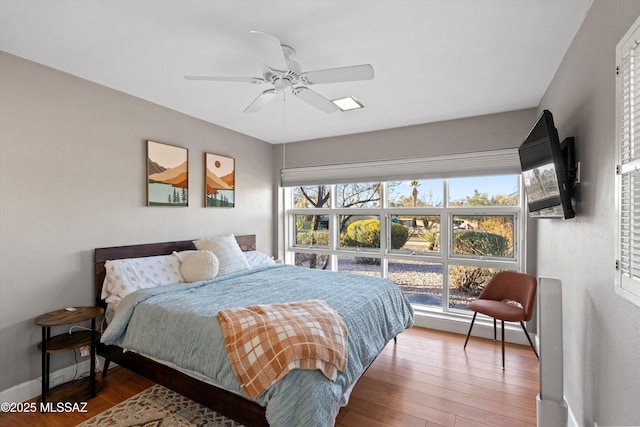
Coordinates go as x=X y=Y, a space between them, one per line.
x=374 y=312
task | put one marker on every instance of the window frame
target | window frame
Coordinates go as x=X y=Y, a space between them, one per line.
x=426 y=211
x=499 y=211
x=445 y=256
x=627 y=112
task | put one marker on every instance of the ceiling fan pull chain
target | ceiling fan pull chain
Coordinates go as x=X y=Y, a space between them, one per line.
x=284 y=132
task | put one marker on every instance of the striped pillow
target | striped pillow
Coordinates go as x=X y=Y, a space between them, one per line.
x=226 y=249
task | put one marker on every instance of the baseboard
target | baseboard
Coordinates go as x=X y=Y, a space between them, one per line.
x=482 y=328
x=33 y=388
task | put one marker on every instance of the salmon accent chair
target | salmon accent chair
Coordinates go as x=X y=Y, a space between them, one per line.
x=498 y=300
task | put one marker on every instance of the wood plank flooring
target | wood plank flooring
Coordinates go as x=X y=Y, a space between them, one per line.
x=425 y=380
x=428 y=380
x=119 y=385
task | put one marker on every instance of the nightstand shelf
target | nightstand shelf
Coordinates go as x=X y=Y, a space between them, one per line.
x=66 y=342
x=77 y=390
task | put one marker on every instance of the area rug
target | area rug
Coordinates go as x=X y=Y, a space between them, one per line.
x=159 y=407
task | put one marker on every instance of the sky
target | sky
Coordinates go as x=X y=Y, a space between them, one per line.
x=460 y=188
x=165 y=155
x=225 y=166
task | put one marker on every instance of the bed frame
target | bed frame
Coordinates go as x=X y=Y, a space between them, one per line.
x=222 y=401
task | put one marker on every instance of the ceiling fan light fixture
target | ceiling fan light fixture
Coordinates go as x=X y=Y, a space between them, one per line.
x=348 y=103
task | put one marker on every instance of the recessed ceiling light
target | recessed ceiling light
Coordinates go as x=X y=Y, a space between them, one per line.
x=348 y=103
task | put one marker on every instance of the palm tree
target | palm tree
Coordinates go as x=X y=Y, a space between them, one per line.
x=414 y=201
x=414 y=193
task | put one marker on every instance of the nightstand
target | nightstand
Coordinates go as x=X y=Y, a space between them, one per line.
x=77 y=390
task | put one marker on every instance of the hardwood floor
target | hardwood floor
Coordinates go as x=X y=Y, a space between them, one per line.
x=119 y=385
x=425 y=380
x=428 y=380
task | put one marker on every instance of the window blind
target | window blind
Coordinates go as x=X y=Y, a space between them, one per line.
x=494 y=162
x=628 y=169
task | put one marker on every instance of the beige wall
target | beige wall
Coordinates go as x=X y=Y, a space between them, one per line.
x=601 y=329
x=72 y=178
x=490 y=132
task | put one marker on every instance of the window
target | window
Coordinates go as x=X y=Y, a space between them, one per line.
x=628 y=168
x=487 y=236
x=312 y=230
x=439 y=240
x=358 y=195
x=416 y=193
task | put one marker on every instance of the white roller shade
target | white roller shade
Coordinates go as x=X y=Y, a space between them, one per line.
x=495 y=162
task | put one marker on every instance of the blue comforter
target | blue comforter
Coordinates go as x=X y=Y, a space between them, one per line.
x=179 y=324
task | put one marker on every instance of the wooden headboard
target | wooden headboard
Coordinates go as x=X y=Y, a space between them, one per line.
x=246 y=242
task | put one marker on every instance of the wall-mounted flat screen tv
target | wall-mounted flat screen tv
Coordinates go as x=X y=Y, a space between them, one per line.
x=545 y=163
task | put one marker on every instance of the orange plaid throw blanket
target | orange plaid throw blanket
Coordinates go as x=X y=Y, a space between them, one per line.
x=264 y=342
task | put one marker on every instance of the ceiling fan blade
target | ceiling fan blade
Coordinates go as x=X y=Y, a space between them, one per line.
x=315 y=99
x=255 y=80
x=271 y=49
x=341 y=74
x=263 y=99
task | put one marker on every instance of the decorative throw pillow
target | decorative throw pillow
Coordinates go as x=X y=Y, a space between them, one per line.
x=199 y=265
x=226 y=248
x=258 y=259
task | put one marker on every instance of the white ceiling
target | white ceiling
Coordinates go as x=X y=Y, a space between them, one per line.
x=433 y=59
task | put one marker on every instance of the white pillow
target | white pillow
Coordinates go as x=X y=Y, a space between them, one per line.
x=258 y=259
x=127 y=275
x=199 y=265
x=227 y=250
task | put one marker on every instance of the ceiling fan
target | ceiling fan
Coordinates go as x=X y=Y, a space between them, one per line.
x=284 y=73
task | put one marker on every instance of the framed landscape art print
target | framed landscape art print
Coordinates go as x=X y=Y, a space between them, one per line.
x=220 y=177
x=167 y=175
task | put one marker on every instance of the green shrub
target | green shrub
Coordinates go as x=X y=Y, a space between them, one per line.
x=365 y=233
x=362 y=234
x=399 y=235
x=471 y=242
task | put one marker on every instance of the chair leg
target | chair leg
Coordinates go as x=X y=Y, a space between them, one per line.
x=502 y=327
x=470 y=327
x=529 y=338
x=495 y=337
